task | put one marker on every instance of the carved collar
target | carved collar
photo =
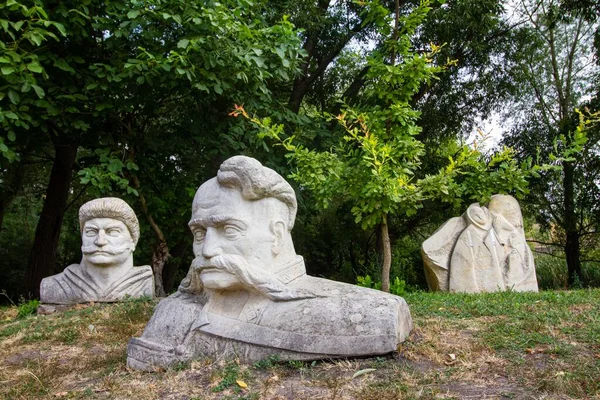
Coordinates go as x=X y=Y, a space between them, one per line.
x=291 y=271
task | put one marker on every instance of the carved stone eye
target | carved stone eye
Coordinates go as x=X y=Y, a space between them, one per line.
x=114 y=232
x=232 y=232
x=199 y=236
x=91 y=232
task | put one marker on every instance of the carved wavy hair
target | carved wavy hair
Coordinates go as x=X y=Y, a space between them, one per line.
x=256 y=182
x=110 y=207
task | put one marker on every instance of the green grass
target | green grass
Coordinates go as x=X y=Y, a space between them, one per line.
x=544 y=345
x=560 y=328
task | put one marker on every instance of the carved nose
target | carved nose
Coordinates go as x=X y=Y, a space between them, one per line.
x=101 y=238
x=211 y=245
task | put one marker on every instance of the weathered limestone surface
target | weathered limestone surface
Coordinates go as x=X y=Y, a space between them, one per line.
x=109 y=234
x=247 y=295
x=482 y=251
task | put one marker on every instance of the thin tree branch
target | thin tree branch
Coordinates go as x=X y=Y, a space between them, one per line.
x=77 y=196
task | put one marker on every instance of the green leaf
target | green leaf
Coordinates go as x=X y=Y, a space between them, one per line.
x=64 y=65
x=11 y=115
x=39 y=91
x=133 y=14
x=35 y=38
x=35 y=67
x=7 y=70
x=61 y=28
x=11 y=136
x=183 y=43
x=14 y=97
x=201 y=86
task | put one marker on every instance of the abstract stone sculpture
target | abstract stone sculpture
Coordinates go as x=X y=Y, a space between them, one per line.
x=482 y=251
x=109 y=234
x=247 y=295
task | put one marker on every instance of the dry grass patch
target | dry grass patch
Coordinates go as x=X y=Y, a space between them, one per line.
x=501 y=346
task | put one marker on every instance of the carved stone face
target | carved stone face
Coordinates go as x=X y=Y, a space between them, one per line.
x=479 y=216
x=106 y=242
x=224 y=223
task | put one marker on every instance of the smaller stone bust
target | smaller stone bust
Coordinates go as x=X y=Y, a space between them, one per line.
x=109 y=233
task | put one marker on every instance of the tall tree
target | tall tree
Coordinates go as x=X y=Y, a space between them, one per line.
x=554 y=63
x=375 y=164
x=108 y=75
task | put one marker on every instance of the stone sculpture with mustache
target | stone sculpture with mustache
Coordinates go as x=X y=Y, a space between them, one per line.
x=109 y=234
x=247 y=295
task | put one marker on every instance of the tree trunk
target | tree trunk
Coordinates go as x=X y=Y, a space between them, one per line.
x=13 y=181
x=353 y=261
x=572 y=251
x=387 y=256
x=43 y=252
x=160 y=256
x=301 y=86
x=572 y=245
x=171 y=268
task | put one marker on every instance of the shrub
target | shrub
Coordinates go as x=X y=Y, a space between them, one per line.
x=397 y=286
x=27 y=307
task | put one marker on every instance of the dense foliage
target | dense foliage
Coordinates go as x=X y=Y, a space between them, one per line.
x=131 y=98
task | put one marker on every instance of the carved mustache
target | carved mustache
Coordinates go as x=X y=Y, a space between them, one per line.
x=252 y=277
x=108 y=250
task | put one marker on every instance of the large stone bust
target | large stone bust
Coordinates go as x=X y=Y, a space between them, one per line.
x=109 y=234
x=247 y=295
x=484 y=250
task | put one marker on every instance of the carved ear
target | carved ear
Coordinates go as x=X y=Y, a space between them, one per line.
x=278 y=230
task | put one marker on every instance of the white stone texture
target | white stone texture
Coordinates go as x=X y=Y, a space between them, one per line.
x=247 y=295
x=483 y=251
x=109 y=234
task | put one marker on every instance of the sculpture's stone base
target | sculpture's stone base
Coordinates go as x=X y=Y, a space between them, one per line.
x=148 y=356
x=356 y=322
